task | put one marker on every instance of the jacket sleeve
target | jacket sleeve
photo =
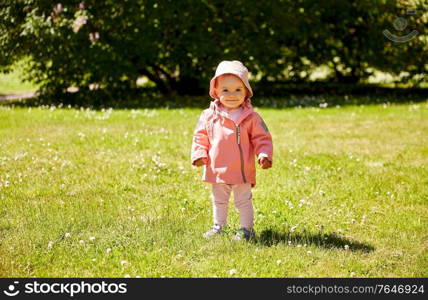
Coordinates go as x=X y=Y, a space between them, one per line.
x=261 y=139
x=200 y=142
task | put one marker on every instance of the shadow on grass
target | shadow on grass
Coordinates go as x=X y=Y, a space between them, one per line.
x=270 y=237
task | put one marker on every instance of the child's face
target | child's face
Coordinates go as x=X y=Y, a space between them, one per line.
x=230 y=90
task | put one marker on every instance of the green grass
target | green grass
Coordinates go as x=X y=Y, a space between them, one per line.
x=12 y=83
x=111 y=193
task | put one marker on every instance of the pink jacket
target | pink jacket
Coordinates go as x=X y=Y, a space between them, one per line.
x=230 y=149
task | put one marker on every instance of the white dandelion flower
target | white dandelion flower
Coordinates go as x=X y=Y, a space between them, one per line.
x=232 y=271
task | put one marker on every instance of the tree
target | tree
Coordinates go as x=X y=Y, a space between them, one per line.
x=177 y=44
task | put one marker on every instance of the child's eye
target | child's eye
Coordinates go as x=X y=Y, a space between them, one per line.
x=225 y=90
x=238 y=90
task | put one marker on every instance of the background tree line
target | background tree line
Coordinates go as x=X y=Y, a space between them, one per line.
x=176 y=45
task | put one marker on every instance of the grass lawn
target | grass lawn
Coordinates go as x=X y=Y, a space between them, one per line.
x=11 y=83
x=111 y=193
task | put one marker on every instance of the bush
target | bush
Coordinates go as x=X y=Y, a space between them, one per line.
x=109 y=44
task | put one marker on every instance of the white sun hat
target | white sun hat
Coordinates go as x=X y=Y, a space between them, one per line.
x=234 y=67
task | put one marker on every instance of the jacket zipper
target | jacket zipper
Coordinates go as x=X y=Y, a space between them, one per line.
x=238 y=137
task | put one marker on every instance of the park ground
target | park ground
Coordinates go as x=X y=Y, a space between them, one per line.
x=111 y=193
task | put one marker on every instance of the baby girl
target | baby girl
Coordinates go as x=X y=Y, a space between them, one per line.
x=226 y=140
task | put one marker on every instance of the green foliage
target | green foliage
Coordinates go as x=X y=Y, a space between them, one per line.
x=177 y=44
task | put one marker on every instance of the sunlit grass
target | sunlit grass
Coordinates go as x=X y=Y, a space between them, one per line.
x=13 y=82
x=108 y=193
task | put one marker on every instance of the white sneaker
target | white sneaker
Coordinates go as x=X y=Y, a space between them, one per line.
x=245 y=234
x=215 y=230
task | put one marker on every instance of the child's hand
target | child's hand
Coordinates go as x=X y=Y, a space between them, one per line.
x=265 y=163
x=200 y=162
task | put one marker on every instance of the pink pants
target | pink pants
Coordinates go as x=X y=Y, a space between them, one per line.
x=220 y=195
